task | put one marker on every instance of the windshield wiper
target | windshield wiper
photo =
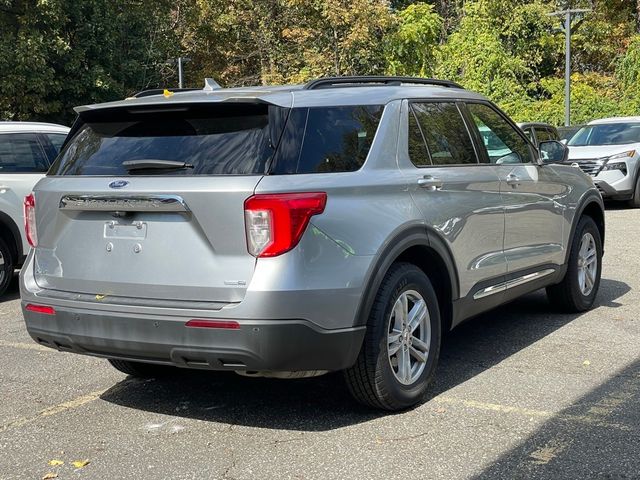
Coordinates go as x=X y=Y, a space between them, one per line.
x=154 y=164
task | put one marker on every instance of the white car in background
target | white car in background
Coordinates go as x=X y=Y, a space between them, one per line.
x=27 y=149
x=609 y=151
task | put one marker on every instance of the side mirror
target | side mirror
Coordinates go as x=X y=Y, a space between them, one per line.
x=553 y=151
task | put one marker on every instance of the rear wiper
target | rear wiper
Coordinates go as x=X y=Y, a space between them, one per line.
x=154 y=164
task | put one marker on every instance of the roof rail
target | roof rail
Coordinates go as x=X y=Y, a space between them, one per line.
x=332 y=82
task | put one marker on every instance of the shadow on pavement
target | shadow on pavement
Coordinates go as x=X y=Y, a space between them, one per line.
x=597 y=437
x=323 y=403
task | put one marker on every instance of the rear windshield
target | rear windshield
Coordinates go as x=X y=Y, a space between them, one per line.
x=229 y=139
x=225 y=139
x=606 y=134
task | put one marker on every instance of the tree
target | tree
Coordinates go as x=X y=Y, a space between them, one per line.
x=411 y=47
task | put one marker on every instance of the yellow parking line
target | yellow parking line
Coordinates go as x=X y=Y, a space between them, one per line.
x=588 y=419
x=54 y=410
x=26 y=346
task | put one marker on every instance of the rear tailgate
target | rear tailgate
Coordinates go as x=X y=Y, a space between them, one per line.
x=193 y=248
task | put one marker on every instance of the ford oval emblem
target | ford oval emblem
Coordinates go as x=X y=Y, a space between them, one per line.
x=118 y=184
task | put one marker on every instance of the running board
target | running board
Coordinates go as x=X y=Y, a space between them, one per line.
x=504 y=286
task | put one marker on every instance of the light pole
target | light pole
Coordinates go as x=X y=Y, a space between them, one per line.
x=179 y=61
x=568 y=13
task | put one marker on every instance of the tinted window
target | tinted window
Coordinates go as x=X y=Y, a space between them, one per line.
x=529 y=133
x=21 y=152
x=327 y=139
x=213 y=140
x=607 y=134
x=543 y=134
x=56 y=139
x=417 y=148
x=502 y=142
x=446 y=135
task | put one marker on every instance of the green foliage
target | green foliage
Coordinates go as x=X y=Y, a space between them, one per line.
x=55 y=54
x=411 y=47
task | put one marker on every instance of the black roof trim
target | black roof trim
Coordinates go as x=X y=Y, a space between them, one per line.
x=359 y=81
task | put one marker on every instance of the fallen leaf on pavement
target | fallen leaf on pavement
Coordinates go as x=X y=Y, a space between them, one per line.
x=49 y=476
x=56 y=463
x=80 y=463
x=586 y=363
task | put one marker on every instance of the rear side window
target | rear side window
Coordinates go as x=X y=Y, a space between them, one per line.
x=21 y=153
x=327 y=139
x=56 y=139
x=445 y=133
x=544 y=135
x=227 y=139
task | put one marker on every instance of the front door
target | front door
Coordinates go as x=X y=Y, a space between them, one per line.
x=531 y=194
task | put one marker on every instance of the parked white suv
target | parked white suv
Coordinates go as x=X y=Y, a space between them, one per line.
x=27 y=149
x=609 y=150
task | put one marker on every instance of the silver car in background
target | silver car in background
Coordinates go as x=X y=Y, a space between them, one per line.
x=344 y=224
x=609 y=151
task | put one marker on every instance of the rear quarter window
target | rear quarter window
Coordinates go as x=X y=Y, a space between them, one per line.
x=327 y=139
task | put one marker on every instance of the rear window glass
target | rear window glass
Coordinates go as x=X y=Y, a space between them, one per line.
x=327 y=139
x=210 y=140
x=21 y=153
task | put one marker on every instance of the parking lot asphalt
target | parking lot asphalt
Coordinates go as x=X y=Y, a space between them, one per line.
x=521 y=392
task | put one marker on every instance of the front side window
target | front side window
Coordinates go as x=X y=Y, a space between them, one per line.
x=445 y=133
x=21 y=153
x=501 y=141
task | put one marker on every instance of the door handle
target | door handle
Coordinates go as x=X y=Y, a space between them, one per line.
x=513 y=179
x=429 y=182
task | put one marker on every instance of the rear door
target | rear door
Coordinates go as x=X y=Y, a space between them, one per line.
x=113 y=221
x=458 y=196
x=532 y=194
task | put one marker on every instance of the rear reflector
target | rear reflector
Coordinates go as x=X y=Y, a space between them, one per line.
x=199 y=323
x=44 y=309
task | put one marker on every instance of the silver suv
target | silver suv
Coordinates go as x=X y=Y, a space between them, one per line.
x=290 y=231
x=609 y=150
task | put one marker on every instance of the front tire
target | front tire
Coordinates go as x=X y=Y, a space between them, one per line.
x=402 y=344
x=634 y=201
x=7 y=266
x=578 y=289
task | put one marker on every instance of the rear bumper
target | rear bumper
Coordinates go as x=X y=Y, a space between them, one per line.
x=286 y=345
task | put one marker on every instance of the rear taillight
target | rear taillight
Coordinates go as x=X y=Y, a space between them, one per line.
x=30 y=220
x=275 y=222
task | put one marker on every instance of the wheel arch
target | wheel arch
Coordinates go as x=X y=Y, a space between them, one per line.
x=425 y=249
x=592 y=206
x=10 y=233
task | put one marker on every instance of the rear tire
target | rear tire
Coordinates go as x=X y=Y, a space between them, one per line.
x=634 y=201
x=7 y=266
x=402 y=344
x=578 y=289
x=140 y=369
